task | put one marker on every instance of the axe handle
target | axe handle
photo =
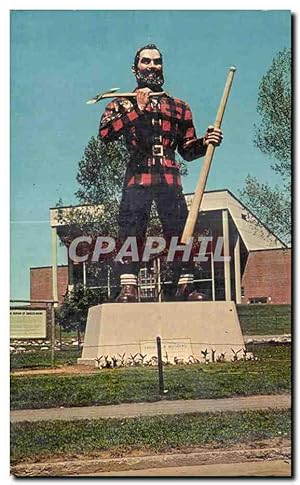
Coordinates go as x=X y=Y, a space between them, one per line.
x=129 y=95
x=197 y=199
x=98 y=98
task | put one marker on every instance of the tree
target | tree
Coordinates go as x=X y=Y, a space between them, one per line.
x=72 y=314
x=100 y=175
x=273 y=137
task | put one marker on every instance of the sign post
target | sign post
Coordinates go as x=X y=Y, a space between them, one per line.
x=160 y=367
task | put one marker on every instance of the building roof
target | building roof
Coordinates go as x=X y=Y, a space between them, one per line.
x=74 y=212
x=255 y=235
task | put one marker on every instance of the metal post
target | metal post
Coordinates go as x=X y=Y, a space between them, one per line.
x=237 y=270
x=54 y=264
x=226 y=253
x=52 y=334
x=84 y=273
x=60 y=337
x=213 y=286
x=78 y=338
x=160 y=366
x=71 y=274
x=108 y=283
x=158 y=279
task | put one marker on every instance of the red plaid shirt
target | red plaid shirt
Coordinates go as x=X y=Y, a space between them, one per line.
x=151 y=137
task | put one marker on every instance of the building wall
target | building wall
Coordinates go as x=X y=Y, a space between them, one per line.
x=268 y=274
x=41 y=282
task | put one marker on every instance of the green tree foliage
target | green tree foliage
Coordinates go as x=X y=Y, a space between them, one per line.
x=101 y=172
x=72 y=314
x=273 y=137
x=100 y=175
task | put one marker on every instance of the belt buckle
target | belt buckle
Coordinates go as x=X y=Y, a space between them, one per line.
x=158 y=150
x=156 y=122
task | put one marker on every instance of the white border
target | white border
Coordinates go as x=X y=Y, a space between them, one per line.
x=292 y=5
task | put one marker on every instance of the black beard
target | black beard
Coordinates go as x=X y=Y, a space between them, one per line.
x=155 y=83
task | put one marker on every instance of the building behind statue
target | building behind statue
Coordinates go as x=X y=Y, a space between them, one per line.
x=259 y=270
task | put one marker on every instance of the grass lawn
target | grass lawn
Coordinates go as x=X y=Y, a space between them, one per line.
x=265 y=319
x=38 y=440
x=42 y=358
x=270 y=374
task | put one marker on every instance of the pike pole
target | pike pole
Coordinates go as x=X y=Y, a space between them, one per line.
x=197 y=199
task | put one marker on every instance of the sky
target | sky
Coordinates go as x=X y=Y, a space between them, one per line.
x=59 y=59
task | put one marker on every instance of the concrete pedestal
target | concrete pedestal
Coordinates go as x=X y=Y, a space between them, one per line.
x=188 y=330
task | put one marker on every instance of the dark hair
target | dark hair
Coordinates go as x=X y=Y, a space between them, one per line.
x=137 y=55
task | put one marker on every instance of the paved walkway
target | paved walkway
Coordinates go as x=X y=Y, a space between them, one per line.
x=275 y=455
x=154 y=408
x=284 y=338
x=272 y=468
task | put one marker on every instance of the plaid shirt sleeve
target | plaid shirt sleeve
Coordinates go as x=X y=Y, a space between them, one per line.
x=189 y=146
x=118 y=115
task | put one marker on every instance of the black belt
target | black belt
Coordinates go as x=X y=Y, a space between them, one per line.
x=153 y=155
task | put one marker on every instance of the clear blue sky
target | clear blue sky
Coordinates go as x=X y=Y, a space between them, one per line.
x=61 y=58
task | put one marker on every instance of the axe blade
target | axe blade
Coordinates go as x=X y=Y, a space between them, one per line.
x=98 y=97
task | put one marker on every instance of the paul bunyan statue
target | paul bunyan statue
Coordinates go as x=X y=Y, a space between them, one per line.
x=154 y=125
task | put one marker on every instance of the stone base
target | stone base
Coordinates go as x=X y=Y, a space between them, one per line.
x=190 y=331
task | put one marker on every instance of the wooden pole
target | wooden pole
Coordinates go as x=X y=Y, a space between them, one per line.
x=197 y=199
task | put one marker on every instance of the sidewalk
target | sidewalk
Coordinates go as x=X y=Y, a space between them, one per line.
x=271 y=468
x=261 y=459
x=282 y=338
x=153 y=408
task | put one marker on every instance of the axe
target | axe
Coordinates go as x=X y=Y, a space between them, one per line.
x=197 y=199
x=111 y=93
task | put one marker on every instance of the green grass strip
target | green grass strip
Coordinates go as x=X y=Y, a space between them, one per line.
x=270 y=374
x=42 y=359
x=265 y=319
x=38 y=440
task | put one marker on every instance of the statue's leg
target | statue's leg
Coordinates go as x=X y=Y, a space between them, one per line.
x=172 y=211
x=133 y=220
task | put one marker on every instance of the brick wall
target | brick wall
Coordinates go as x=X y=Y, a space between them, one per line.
x=268 y=274
x=41 y=282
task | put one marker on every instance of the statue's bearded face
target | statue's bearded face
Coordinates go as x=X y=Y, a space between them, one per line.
x=149 y=70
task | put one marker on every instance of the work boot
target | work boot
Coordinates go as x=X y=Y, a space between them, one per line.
x=185 y=292
x=128 y=294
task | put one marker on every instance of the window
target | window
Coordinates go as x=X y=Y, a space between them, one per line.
x=147 y=283
x=261 y=299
